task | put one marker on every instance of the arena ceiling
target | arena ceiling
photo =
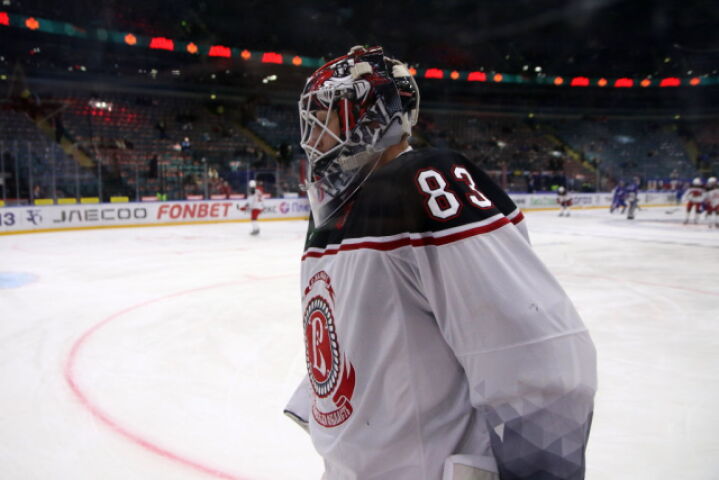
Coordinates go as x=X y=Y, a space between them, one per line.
x=568 y=37
x=594 y=38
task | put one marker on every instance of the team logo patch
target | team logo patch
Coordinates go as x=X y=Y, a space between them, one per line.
x=332 y=377
x=322 y=352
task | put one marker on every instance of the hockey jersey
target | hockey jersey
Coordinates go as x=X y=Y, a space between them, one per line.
x=436 y=340
x=712 y=197
x=255 y=201
x=694 y=195
x=564 y=200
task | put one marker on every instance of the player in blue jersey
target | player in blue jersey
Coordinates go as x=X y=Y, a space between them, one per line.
x=618 y=197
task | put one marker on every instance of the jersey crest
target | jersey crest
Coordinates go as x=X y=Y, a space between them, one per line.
x=332 y=377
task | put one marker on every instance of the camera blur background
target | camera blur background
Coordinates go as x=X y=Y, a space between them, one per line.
x=169 y=353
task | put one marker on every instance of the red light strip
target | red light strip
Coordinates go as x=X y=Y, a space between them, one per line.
x=433 y=73
x=477 y=77
x=220 y=51
x=624 y=83
x=161 y=43
x=271 y=57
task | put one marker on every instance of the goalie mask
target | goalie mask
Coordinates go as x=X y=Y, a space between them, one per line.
x=351 y=110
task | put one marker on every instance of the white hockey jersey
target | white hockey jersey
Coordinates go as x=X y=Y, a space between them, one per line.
x=437 y=342
x=255 y=201
x=694 y=195
x=712 y=197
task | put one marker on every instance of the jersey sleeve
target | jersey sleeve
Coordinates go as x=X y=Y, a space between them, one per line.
x=298 y=407
x=528 y=358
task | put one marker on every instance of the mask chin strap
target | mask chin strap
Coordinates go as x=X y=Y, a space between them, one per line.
x=358 y=160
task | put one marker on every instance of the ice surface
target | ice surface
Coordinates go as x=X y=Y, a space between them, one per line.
x=169 y=352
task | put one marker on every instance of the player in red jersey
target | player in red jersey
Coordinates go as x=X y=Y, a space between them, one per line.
x=711 y=202
x=438 y=346
x=694 y=196
x=564 y=201
x=255 y=205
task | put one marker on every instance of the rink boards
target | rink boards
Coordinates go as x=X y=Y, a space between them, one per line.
x=44 y=218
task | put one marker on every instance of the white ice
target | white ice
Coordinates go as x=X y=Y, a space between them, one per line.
x=169 y=352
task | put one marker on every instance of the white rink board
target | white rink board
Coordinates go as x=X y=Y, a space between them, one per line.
x=64 y=217
x=602 y=199
x=71 y=217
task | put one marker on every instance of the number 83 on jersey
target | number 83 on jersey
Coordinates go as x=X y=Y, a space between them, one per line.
x=441 y=202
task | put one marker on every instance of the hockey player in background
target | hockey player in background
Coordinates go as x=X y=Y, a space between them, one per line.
x=254 y=205
x=618 y=196
x=631 y=195
x=438 y=345
x=564 y=201
x=711 y=202
x=694 y=196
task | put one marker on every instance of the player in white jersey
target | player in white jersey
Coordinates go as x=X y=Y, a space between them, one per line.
x=694 y=196
x=438 y=345
x=564 y=201
x=712 y=202
x=255 y=205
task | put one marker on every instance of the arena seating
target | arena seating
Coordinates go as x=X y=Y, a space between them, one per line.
x=43 y=167
x=142 y=141
x=625 y=149
x=169 y=145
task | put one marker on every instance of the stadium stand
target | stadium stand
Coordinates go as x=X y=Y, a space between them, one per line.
x=171 y=147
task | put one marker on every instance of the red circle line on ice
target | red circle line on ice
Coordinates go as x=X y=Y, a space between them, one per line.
x=114 y=425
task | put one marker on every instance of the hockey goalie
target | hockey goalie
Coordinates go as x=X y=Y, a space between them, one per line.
x=438 y=345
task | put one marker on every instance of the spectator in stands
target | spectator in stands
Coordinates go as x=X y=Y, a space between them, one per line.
x=185 y=144
x=225 y=188
x=152 y=172
x=161 y=129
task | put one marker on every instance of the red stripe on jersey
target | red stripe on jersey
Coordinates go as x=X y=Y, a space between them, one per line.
x=407 y=241
x=516 y=218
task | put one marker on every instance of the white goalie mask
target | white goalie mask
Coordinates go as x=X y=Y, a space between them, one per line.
x=351 y=110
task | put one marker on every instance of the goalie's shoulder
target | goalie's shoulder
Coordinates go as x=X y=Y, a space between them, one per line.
x=441 y=189
x=454 y=170
x=408 y=163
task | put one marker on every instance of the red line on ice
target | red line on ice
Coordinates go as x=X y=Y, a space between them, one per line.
x=98 y=413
